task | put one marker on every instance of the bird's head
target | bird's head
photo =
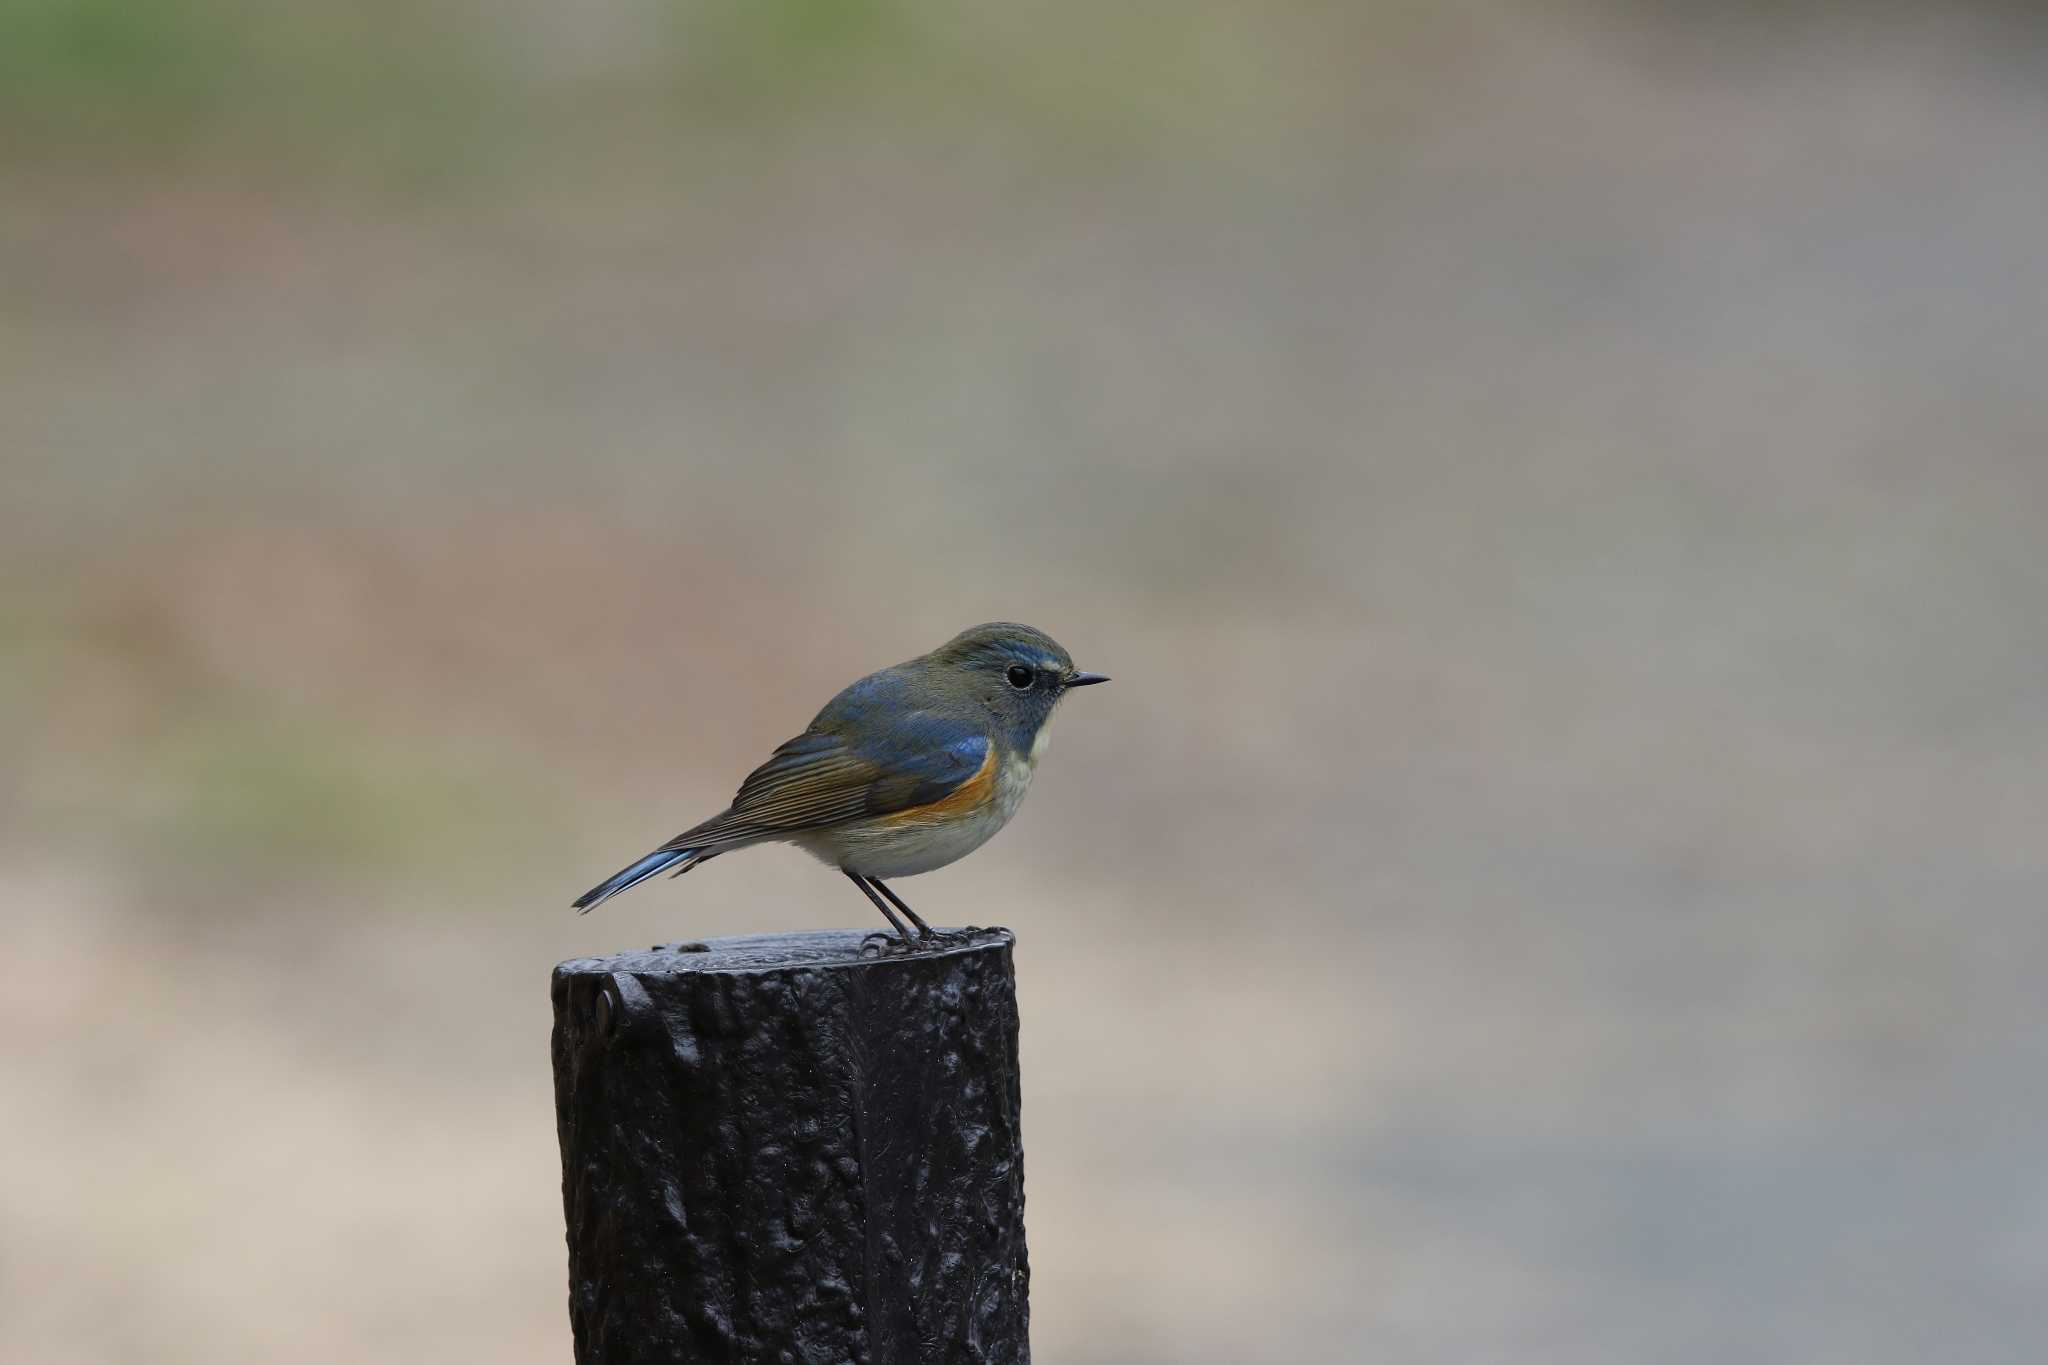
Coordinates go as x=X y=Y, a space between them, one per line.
x=1017 y=672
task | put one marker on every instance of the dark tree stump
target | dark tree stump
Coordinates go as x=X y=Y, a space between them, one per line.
x=775 y=1149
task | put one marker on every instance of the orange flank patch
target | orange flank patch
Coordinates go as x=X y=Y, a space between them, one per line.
x=964 y=800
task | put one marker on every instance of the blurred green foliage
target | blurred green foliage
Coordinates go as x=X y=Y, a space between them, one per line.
x=386 y=88
x=115 y=60
x=1080 y=79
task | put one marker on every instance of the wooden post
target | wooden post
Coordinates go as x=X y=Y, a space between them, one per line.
x=776 y=1149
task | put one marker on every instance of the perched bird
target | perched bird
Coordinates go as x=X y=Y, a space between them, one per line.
x=907 y=770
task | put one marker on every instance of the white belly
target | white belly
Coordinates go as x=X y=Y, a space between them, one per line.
x=883 y=847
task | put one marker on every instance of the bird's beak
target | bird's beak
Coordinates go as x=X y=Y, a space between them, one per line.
x=1087 y=679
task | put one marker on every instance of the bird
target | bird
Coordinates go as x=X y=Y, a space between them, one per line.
x=906 y=770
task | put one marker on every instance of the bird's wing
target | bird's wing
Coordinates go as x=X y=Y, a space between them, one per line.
x=913 y=759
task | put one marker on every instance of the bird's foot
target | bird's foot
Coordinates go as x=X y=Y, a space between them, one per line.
x=950 y=938
x=879 y=944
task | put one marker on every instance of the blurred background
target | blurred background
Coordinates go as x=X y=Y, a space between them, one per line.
x=1561 y=488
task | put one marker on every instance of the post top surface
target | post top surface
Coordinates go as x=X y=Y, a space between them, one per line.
x=772 y=952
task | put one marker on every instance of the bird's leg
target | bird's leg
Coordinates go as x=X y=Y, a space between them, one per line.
x=924 y=930
x=902 y=934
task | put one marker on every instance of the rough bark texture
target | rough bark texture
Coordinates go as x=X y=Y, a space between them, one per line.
x=775 y=1149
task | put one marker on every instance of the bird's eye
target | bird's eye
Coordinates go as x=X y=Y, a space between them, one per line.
x=1020 y=677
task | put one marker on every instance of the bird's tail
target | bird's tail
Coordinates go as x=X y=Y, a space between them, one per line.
x=661 y=860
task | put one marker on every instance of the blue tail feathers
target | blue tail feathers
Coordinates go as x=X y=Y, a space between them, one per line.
x=639 y=872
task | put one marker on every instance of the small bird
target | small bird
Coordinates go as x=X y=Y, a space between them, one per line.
x=907 y=770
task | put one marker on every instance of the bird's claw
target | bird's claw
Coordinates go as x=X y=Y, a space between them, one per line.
x=879 y=944
x=950 y=938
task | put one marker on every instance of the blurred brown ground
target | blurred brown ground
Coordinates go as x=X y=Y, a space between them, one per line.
x=1561 y=488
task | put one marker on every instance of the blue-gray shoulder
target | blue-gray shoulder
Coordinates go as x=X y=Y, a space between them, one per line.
x=880 y=719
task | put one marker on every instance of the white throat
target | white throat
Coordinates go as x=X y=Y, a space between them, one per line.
x=1039 y=741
